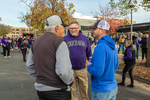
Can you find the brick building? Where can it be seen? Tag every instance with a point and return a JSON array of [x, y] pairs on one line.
[[17, 31]]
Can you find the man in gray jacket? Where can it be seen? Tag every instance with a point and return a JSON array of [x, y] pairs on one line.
[[49, 62]]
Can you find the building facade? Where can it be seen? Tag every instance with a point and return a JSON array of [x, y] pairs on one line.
[[17, 31]]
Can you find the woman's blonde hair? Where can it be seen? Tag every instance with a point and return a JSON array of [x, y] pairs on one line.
[[146, 35], [129, 42]]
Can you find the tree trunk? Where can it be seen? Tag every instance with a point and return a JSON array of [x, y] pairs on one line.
[[148, 51], [35, 35]]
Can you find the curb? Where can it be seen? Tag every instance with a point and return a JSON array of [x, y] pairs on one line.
[[136, 78]]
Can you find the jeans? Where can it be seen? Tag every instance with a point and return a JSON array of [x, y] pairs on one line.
[[24, 54], [137, 51], [1, 49], [105, 96]]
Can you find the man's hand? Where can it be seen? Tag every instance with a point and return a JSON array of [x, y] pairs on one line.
[[88, 63]]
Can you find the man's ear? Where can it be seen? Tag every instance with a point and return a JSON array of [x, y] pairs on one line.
[[79, 28], [56, 28], [103, 30]]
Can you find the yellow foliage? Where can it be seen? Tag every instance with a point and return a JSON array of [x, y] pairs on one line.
[[42, 9]]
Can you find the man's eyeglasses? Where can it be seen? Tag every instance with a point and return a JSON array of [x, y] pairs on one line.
[[75, 28]]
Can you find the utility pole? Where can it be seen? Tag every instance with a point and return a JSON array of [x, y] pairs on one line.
[[131, 6], [131, 22]]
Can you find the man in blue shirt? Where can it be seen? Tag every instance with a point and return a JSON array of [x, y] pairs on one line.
[[104, 64]]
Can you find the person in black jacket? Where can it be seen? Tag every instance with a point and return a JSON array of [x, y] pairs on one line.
[[144, 46], [129, 59], [23, 47]]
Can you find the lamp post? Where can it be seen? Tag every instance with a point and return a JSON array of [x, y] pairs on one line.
[[131, 22], [131, 6]]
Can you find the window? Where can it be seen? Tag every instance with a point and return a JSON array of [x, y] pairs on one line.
[[23, 29], [17, 32], [13, 29], [17, 29], [13, 32], [12, 35]]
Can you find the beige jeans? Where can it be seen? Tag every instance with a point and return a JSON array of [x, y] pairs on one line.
[[80, 79]]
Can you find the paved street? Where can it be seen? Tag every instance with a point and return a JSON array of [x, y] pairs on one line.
[[17, 84]]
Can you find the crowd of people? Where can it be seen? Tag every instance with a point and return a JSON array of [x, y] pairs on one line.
[[141, 41], [61, 64], [7, 44]]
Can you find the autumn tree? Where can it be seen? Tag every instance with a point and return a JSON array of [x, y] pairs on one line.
[[108, 14], [4, 29], [40, 10], [125, 6]]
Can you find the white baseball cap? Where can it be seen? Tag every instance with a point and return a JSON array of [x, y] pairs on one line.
[[101, 24]]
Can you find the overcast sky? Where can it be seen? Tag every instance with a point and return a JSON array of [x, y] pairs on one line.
[[11, 9]]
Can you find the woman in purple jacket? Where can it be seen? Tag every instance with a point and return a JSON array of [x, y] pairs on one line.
[[129, 59], [5, 46]]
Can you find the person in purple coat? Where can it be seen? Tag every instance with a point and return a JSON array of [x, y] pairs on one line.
[[129, 59], [31, 41], [80, 49], [5, 45]]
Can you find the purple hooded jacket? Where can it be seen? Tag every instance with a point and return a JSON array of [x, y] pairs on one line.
[[80, 48], [4, 41], [31, 41]]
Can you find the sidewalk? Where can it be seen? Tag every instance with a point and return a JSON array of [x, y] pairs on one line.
[[141, 91], [17, 84]]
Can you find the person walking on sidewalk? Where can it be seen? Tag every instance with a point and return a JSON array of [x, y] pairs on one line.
[[1, 45], [138, 45], [19, 42], [49, 62], [144, 46], [104, 64], [12, 43], [129, 59], [80, 48], [23, 47], [5, 46]]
